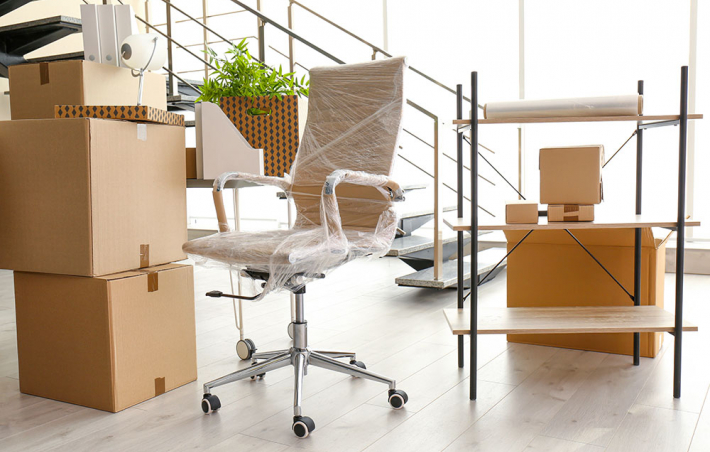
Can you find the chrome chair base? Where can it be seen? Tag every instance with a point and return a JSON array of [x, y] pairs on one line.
[[300, 356]]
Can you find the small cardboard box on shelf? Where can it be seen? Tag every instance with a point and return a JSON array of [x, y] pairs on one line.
[[107, 342], [570, 212], [521, 212], [571, 175]]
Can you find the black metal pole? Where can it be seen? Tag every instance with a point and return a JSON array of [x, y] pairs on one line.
[[680, 246], [459, 210], [637, 237], [474, 235]]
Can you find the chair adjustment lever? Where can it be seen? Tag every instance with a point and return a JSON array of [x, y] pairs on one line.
[[219, 294]]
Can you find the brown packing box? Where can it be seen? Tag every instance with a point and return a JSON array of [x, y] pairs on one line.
[[191, 163], [90, 197], [571, 175], [36, 88], [521, 212], [570, 212], [550, 269], [108, 342]]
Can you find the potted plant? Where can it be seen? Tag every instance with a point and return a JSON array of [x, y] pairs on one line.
[[261, 101]]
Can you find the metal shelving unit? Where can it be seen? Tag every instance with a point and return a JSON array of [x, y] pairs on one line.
[[600, 319]]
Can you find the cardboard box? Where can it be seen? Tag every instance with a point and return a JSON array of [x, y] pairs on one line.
[[571, 175], [91, 197], [521, 212], [190, 163], [36, 88], [138, 113], [570, 212], [550, 269], [108, 342]]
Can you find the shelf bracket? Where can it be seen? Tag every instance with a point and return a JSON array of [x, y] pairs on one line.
[[650, 125], [600, 264]]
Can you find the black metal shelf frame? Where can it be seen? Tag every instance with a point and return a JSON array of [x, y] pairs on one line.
[[680, 248]]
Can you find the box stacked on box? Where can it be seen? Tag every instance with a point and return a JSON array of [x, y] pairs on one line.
[[94, 212], [571, 181]]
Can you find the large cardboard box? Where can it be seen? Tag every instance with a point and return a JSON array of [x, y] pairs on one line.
[[36, 88], [571, 175], [91, 197], [550, 269], [108, 342]]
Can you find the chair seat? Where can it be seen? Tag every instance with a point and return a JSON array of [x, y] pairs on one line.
[[304, 249]]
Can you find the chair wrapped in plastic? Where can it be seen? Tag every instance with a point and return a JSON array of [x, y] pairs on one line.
[[341, 187], [339, 183]]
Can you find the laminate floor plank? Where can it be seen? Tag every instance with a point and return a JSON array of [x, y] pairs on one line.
[[652, 429], [598, 407]]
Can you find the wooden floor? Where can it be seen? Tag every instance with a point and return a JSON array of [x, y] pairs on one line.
[[530, 398]]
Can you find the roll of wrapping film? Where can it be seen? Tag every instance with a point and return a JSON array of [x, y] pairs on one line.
[[630, 105]]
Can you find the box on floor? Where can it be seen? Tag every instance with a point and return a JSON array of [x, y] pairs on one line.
[[550, 269], [106, 342], [91, 197], [36, 88]]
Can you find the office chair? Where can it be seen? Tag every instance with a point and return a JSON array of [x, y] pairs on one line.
[[344, 210]]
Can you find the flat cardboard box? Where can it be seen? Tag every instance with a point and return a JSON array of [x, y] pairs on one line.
[[91, 197], [570, 212], [36, 88], [521, 212], [550, 269], [108, 342], [137, 113], [571, 175]]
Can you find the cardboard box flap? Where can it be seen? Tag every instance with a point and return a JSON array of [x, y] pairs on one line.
[[588, 237]]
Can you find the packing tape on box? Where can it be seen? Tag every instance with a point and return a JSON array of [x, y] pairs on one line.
[[630, 105], [159, 386], [142, 130], [43, 73], [152, 282], [145, 256]]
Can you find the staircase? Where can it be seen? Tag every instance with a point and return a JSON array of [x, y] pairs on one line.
[[17, 40]]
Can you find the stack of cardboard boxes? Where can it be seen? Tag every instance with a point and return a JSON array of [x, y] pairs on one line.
[[93, 214], [550, 269]]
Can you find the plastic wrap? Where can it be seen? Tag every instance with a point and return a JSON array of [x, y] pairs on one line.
[[339, 182], [630, 105]]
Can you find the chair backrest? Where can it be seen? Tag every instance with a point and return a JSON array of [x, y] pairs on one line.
[[354, 122]]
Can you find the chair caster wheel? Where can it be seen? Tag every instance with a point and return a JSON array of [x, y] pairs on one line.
[[210, 403], [245, 349], [397, 398], [303, 426], [289, 329], [254, 377], [359, 364]]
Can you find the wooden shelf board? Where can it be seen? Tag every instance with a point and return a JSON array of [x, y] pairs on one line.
[[602, 222], [556, 320], [577, 119]]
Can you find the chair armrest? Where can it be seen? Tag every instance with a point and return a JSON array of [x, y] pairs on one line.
[[283, 183], [329, 206]]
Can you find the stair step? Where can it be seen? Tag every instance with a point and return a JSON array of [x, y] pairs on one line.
[[487, 259], [25, 37], [60, 57], [7, 6], [421, 213], [406, 245]]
